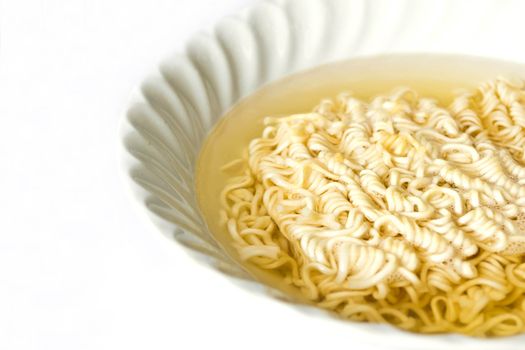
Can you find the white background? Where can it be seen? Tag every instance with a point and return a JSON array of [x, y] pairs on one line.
[[79, 269]]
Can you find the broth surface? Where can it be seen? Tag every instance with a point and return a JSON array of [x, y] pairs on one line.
[[432, 76]]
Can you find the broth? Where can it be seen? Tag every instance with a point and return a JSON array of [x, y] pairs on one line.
[[433, 76]]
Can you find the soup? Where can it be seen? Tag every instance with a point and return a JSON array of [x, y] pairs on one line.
[[384, 190]]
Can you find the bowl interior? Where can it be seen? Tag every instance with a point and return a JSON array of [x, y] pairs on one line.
[[167, 127]]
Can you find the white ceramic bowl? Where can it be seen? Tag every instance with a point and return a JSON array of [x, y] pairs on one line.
[[175, 108]]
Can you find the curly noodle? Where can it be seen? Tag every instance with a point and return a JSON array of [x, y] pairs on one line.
[[397, 210]]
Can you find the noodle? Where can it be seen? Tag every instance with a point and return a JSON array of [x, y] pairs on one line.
[[397, 210]]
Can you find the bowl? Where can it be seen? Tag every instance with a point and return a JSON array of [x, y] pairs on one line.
[[174, 108]]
